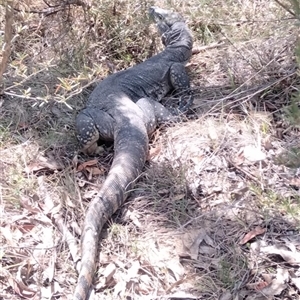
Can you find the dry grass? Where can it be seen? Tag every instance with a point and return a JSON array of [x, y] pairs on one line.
[[216, 213]]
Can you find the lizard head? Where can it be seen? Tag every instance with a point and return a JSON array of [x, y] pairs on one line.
[[172, 27], [164, 19]]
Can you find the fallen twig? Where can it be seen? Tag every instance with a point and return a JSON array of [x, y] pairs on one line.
[[211, 46]]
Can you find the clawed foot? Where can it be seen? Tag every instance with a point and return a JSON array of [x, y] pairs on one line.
[[185, 103], [93, 149]]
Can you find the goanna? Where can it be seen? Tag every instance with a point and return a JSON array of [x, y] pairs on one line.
[[125, 108]]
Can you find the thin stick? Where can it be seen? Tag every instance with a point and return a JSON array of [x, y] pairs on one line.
[[211, 46], [7, 37]]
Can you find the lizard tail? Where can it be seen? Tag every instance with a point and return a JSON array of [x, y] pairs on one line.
[[131, 147]]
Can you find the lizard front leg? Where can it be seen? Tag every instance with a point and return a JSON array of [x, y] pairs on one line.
[[181, 83]]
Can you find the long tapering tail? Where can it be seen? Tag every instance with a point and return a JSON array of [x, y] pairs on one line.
[[131, 146]]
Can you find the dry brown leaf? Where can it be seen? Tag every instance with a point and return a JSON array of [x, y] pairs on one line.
[[194, 248], [154, 151], [29, 204], [19, 287], [68, 237], [26, 227], [197, 160], [289, 256], [94, 171], [33, 167], [14, 233], [144, 284], [277, 285], [258, 286], [188, 245], [107, 276], [104, 258], [238, 159], [176, 267], [109, 272], [209, 241], [41, 163], [238, 194], [267, 142], [252, 234], [175, 284], [86, 164], [97, 171]]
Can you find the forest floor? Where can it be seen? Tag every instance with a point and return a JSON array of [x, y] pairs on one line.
[[214, 215]]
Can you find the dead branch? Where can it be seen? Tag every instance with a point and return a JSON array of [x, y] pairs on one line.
[[7, 37], [284, 6], [53, 9], [208, 47]]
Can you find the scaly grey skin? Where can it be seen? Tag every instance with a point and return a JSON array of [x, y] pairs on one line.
[[124, 108]]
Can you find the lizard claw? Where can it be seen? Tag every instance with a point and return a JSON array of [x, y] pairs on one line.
[[184, 105]]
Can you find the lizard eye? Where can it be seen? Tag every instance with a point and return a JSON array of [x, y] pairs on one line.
[[160, 17]]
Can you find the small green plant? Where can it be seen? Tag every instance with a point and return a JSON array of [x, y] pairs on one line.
[[115, 229], [4, 135], [292, 111], [272, 201], [224, 274], [179, 211], [292, 206], [289, 158]]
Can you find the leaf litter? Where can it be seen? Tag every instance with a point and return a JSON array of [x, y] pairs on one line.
[[214, 216]]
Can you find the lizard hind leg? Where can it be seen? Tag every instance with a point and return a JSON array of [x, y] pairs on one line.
[[154, 113], [93, 124]]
